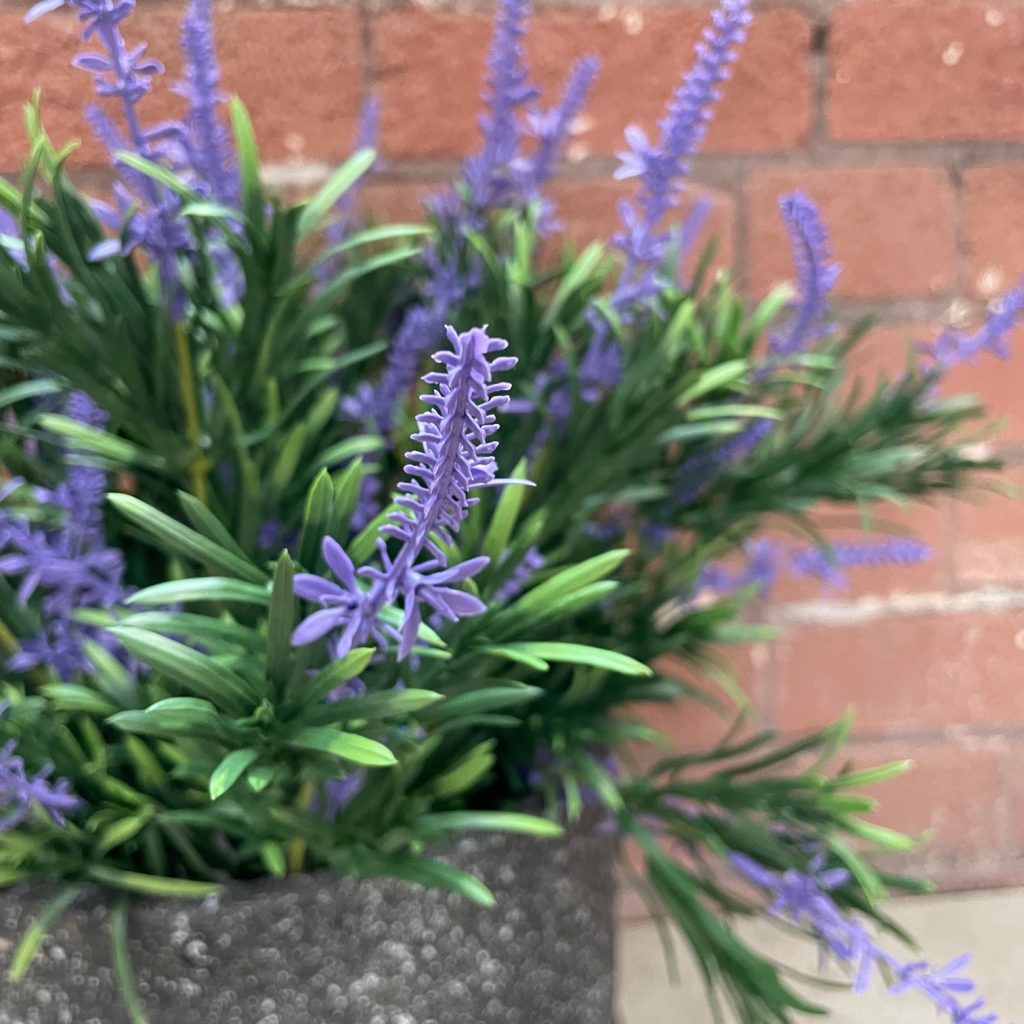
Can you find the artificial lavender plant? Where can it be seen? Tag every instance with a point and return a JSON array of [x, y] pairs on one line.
[[228, 594]]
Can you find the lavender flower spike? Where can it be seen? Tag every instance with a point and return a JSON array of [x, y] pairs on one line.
[[805, 900], [816, 273], [662, 165], [552, 127], [828, 564], [19, 792], [456, 457], [208, 141], [954, 347], [507, 90]]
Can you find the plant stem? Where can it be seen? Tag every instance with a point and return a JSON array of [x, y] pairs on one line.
[[297, 847]]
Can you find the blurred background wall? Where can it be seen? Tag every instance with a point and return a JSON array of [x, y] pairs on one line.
[[904, 119]]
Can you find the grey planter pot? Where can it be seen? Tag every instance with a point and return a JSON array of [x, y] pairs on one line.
[[319, 949]]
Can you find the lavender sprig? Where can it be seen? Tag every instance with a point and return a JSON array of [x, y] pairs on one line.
[[954, 348], [456, 457], [71, 564], [804, 900], [816, 274], [551, 129], [828, 564], [489, 174], [208, 141], [126, 74], [21, 792]]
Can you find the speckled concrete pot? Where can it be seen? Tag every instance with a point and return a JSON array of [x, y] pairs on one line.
[[325, 950]]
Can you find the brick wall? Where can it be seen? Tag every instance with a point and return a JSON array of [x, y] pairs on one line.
[[905, 120]]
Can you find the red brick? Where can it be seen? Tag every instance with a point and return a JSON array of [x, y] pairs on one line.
[[423, 56], [891, 229], [993, 238], [957, 792], [927, 70], [906, 673], [989, 535], [588, 211], [300, 73]]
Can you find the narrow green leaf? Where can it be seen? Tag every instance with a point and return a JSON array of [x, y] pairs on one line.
[[203, 588], [280, 623], [272, 855], [435, 874], [123, 964], [316, 518], [190, 669], [248, 162], [491, 821], [67, 697], [121, 831], [208, 524], [333, 189], [152, 885], [336, 673], [485, 699], [582, 654], [180, 539], [506, 513], [345, 745], [37, 932], [230, 770]]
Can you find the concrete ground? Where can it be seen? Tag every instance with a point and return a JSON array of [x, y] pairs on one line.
[[988, 925]]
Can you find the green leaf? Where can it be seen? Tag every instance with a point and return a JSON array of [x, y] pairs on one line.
[[272, 855], [230, 770], [581, 654], [345, 745], [66, 697], [123, 964], [110, 675], [203, 588], [715, 377], [333, 189], [208, 524], [491, 821], [430, 874], [335, 674], [375, 706], [121, 831], [485, 699], [37, 932], [190, 669], [316, 518], [280, 622], [248, 162], [342, 452], [177, 538], [152, 885], [566, 581], [499, 530], [93, 441], [28, 389]]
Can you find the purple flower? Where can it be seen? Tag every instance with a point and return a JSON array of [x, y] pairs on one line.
[[10, 239], [761, 570], [661, 166], [551, 129], [804, 899], [456, 457], [20, 792], [126, 74], [489, 174], [70, 565], [827, 563], [210, 154], [954, 347], [816, 273]]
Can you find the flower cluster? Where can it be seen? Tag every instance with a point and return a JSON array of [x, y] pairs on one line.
[[70, 563], [456, 458], [805, 900]]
